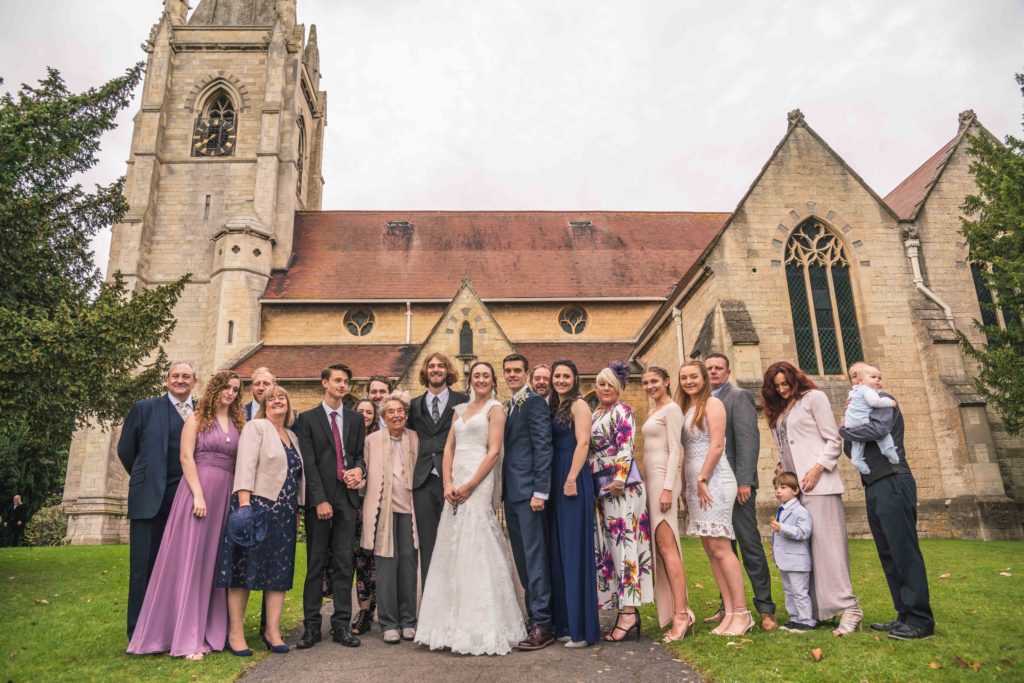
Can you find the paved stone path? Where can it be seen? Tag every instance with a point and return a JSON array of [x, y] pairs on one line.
[[374, 661]]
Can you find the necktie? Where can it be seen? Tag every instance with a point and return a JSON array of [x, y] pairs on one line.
[[778, 515], [184, 409], [435, 410], [339, 448]]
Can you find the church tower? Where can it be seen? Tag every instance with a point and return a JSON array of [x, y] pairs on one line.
[[227, 146]]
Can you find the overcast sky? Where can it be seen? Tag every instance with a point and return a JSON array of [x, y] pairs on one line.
[[589, 104]]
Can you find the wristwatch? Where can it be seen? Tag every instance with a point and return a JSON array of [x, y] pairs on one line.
[[702, 478]]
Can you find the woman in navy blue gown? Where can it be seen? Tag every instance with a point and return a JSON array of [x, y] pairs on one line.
[[571, 519]]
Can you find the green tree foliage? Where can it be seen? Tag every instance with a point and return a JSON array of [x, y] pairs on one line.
[[994, 228], [73, 348]]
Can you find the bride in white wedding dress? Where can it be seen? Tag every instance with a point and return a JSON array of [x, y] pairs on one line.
[[469, 601]]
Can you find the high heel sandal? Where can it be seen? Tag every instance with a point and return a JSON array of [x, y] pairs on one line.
[[689, 628], [748, 627], [849, 622], [609, 637]]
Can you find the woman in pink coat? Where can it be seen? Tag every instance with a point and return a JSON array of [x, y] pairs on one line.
[[389, 525], [801, 419]]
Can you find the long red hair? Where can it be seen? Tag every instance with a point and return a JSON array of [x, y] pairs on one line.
[[799, 384]]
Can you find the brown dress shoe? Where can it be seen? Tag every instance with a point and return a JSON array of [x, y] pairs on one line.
[[715, 618], [537, 639], [768, 622]]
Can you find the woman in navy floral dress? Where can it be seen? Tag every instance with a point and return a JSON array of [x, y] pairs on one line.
[[623, 534]]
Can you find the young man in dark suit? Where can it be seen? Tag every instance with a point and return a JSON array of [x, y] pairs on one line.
[[149, 450], [742, 446], [331, 439], [430, 416]]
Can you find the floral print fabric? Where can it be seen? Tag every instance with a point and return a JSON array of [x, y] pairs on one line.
[[623, 532]]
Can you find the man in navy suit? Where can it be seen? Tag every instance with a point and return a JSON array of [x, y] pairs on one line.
[[526, 483], [260, 380], [331, 439], [149, 450]]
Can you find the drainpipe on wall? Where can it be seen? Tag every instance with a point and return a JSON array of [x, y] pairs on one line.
[[408, 322], [677, 316], [912, 242]]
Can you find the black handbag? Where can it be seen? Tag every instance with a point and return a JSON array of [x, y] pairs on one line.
[[607, 476]]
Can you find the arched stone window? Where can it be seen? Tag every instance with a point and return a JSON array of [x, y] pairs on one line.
[[821, 299], [215, 130], [300, 156], [466, 340]]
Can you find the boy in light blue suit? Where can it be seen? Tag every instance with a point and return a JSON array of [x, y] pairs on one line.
[[791, 533]]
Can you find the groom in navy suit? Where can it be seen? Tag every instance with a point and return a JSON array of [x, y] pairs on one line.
[[526, 483], [149, 450]]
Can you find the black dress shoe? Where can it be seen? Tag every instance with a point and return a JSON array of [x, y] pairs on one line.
[[343, 635], [308, 640], [885, 628], [910, 632]]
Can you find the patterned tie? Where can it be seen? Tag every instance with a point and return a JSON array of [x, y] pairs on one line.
[[778, 515], [339, 447], [184, 409], [435, 411], [508, 406]]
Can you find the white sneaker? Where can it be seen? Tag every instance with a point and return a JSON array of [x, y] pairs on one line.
[[408, 633], [391, 636], [575, 643], [564, 639]]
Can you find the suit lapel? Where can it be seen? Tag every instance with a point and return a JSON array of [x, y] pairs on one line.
[[325, 427]]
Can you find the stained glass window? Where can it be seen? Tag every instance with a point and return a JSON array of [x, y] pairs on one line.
[[821, 299]]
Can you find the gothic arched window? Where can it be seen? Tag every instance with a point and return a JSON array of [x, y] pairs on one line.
[[821, 299], [466, 340], [300, 154], [215, 131]]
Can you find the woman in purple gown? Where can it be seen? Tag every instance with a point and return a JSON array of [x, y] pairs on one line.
[[183, 613]]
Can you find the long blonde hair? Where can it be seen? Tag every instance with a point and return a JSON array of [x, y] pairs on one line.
[[700, 401]]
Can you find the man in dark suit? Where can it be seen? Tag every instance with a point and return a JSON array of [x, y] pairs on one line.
[[526, 484], [742, 446], [430, 416], [331, 439], [14, 521], [890, 495], [260, 380], [149, 449]]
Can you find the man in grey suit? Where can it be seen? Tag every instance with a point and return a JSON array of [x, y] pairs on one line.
[[742, 445], [430, 416]]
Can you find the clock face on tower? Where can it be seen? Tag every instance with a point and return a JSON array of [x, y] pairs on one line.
[[214, 137]]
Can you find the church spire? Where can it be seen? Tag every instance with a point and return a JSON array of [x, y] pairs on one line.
[[234, 13], [311, 57]]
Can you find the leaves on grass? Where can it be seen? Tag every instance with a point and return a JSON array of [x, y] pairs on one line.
[[934, 665], [961, 662], [976, 666], [1005, 574], [43, 601], [945, 575], [817, 654], [698, 585]]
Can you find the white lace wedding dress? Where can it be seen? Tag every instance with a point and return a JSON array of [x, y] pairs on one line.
[[469, 601]]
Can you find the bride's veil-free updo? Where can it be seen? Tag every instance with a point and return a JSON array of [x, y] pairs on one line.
[[494, 378]]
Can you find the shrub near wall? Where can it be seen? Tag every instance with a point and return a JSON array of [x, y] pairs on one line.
[[47, 527]]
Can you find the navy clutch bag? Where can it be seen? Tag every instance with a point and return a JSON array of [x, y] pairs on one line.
[[607, 476]]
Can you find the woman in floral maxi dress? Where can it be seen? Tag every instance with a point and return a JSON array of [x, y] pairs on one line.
[[623, 533]]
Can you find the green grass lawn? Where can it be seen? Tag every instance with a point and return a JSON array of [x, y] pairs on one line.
[[979, 613], [63, 612], [64, 620]]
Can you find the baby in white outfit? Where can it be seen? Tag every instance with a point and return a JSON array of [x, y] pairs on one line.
[[864, 396]]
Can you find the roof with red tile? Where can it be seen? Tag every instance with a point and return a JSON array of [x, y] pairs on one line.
[[355, 255], [908, 197], [590, 357], [306, 361]]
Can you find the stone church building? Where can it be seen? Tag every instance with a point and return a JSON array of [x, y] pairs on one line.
[[813, 266]]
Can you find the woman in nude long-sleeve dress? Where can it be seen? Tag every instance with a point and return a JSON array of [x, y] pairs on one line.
[[663, 457]]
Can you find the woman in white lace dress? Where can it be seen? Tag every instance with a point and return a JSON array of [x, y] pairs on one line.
[[710, 491], [469, 601]]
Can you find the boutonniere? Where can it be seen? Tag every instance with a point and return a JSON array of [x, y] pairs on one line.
[[519, 398]]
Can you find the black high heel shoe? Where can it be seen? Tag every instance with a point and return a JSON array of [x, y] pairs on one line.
[[238, 653], [280, 649], [363, 621], [610, 636]]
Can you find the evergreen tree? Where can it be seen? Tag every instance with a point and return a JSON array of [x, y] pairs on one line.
[[994, 228], [73, 348]]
